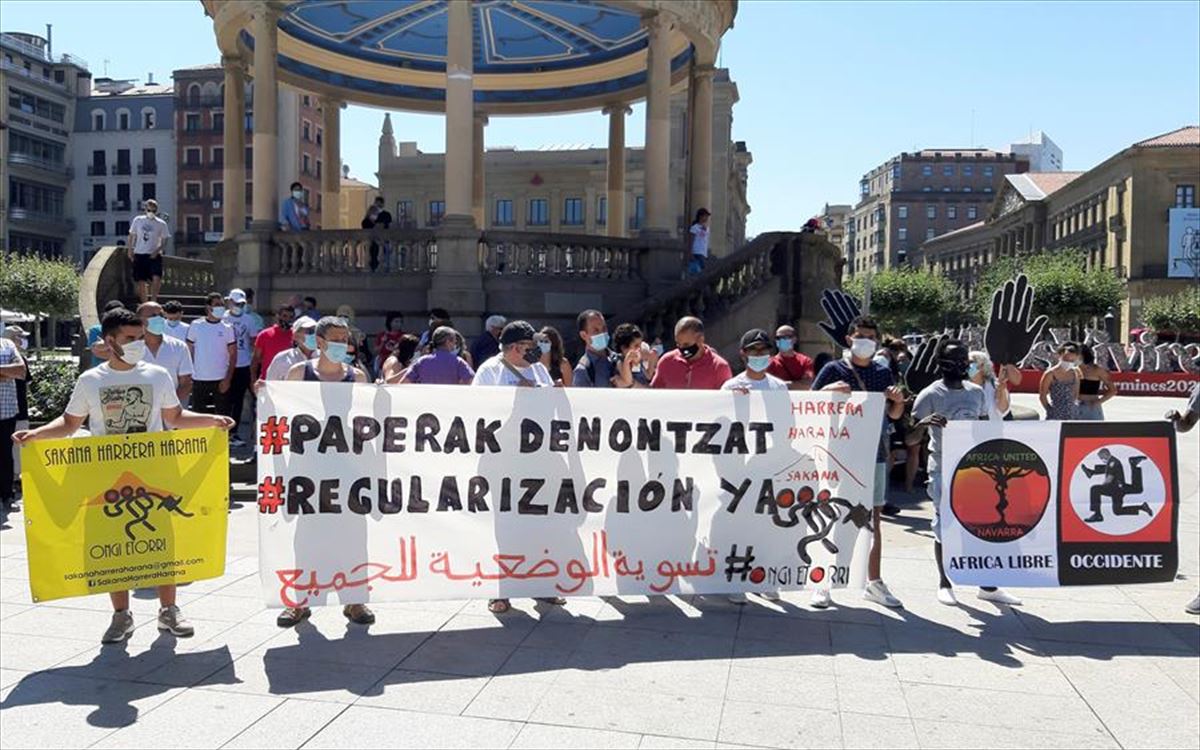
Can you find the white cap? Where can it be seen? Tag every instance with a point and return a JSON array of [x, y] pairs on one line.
[[304, 322], [495, 321], [238, 296]]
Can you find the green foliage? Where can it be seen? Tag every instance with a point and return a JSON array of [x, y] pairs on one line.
[[50, 385], [33, 285], [1179, 313], [1065, 289], [905, 300]]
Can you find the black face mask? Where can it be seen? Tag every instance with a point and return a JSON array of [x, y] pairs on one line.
[[689, 351], [286, 324], [954, 369], [532, 355]]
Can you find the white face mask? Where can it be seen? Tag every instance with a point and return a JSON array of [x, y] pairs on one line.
[[862, 348], [298, 194], [133, 352]]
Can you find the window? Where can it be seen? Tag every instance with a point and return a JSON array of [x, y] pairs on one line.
[[318, 167], [437, 209], [218, 156], [149, 190], [193, 228], [989, 170], [1185, 196], [217, 189], [149, 163], [602, 211], [218, 119], [193, 157], [305, 164], [539, 212], [966, 188], [947, 170], [97, 228], [895, 171], [968, 170], [930, 211], [99, 201], [864, 187], [929, 233], [926, 189], [218, 223], [193, 94], [987, 189], [148, 119], [249, 160], [121, 229], [306, 130], [123, 196], [952, 211], [97, 121], [191, 122], [902, 233], [320, 136], [504, 213], [123, 120], [972, 211], [946, 189], [191, 191], [573, 211], [927, 170], [639, 211], [901, 212], [404, 212], [307, 100]]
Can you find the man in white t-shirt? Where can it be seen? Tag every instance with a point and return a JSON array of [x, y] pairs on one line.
[[757, 349], [214, 356], [147, 237], [244, 331], [517, 364], [175, 328], [699, 232], [168, 353], [121, 396], [303, 349]]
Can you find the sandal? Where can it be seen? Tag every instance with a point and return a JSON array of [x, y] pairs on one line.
[[498, 606], [557, 601]]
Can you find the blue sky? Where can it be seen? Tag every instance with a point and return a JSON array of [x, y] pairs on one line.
[[828, 90]]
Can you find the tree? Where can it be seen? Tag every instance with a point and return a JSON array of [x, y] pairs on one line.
[[1066, 290], [37, 285], [1179, 313], [907, 299]]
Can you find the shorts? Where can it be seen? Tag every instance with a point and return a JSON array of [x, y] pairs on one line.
[[146, 267], [881, 482], [933, 488]]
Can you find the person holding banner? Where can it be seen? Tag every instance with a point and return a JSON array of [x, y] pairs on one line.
[[113, 398], [12, 369], [952, 397], [861, 372]]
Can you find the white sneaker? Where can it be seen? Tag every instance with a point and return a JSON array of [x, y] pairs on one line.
[[737, 599], [1193, 607], [771, 596], [877, 591], [947, 597], [999, 596], [821, 599], [236, 442]]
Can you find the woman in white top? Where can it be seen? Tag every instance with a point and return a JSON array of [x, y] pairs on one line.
[[995, 388]]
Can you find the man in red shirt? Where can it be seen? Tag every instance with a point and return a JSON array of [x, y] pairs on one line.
[[790, 365], [692, 365], [272, 341]]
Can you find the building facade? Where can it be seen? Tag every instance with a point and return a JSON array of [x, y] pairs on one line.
[[37, 112], [834, 218], [564, 188], [914, 197], [199, 152], [354, 199], [123, 153], [1118, 212], [1043, 154]]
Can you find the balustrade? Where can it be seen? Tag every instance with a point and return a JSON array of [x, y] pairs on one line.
[[351, 251]]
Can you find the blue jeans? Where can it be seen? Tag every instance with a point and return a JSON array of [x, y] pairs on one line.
[[696, 265]]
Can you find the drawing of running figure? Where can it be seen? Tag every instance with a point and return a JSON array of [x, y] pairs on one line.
[[1113, 486]]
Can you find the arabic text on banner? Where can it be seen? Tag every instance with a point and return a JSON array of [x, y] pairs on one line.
[[444, 492], [125, 511]]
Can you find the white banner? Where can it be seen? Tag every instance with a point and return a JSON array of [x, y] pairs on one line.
[[371, 493], [1059, 503]]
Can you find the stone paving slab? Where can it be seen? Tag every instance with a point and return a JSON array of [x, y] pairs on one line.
[[1081, 667]]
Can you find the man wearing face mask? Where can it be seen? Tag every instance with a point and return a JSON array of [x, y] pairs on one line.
[[951, 398], [597, 368], [127, 395], [789, 365], [756, 352], [147, 236], [244, 332], [692, 365], [862, 373], [170, 354], [303, 348], [214, 356], [293, 213], [12, 371], [271, 341], [175, 328]]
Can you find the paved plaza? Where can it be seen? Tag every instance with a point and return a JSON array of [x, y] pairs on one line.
[[1073, 667]]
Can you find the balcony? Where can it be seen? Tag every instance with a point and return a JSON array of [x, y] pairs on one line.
[[189, 165], [120, 169], [98, 207], [37, 162], [147, 169], [97, 170], [120, 205], [194, 102], [56, 220]]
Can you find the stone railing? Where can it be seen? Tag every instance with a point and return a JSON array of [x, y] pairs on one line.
[[353, 251], [563, 255], [109, 275], [186, 277]]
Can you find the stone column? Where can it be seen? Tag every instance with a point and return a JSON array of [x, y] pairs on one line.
[[615, 197], [459, 108], [658, 126], [701, 119], [266, 125], [331, 169], [233, 178], [478, 189]]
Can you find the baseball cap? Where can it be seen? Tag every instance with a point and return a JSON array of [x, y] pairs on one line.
[[238, 296], [518, 330], [15, 330], [756, 336], [304, 323]]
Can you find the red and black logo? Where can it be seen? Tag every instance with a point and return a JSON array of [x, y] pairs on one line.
[[1000, 490]]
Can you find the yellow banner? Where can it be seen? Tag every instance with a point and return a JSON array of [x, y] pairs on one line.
[[125, 511]]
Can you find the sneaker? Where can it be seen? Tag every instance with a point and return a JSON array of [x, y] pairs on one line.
[[292, 616], [236, 442], [171, 620], [999, 596], [877, 591], [120, 627], [771, 596], [359, 614], [1193, 607], [890, 509], [821, 598], [947, 597], [738, 599]]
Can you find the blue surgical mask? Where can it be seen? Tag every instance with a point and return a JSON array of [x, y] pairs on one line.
[[237, 309], [337, 351], [218, 312], [759, 362], [600, 341], [785, 345], [973, 370], [544, 346], [156, 325], [310, 341]]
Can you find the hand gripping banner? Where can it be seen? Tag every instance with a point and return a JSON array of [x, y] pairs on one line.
[[445, 492]]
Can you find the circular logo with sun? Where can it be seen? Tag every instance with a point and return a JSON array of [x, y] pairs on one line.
[[1000, 490]]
